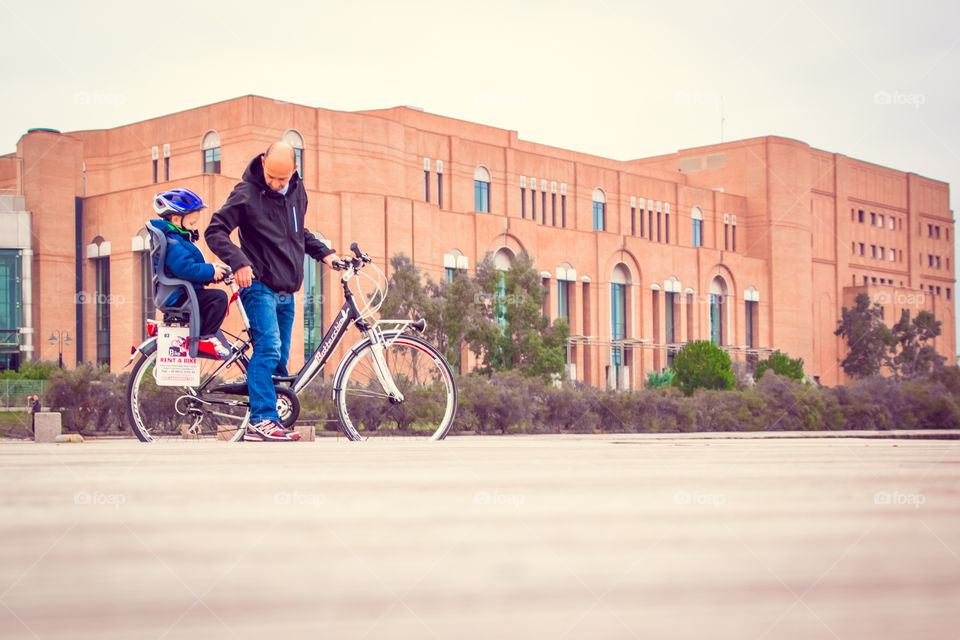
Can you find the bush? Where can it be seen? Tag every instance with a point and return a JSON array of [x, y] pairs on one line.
[[89, 399], [702, 364], [659, 380], [782, 364]]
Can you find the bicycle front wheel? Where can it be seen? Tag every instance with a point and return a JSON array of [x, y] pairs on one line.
[[419, 372], [160, 412]]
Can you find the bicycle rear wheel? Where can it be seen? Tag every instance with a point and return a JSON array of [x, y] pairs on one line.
[[157, 412], [423, 377]]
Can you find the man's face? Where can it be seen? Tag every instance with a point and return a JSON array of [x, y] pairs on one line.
[[277, 171]]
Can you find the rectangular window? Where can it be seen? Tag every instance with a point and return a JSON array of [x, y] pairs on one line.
[[533, 204], [166, 169], [147, 308], [211, 160], [698, 233], [563, 300], [948, 293], [930, 260], [873, 219], [726, 236], [641, 222], [481, 196], [749, 318], [936, 232], [103, 310], [650, 224], [543, 207], [866, 280], [155, 162], [450, 272], [881, 253], [618, 298], [938, 289], [659, 214], [938, 262], [553, 209], [11, 307], [523, 202], [891, 222], [440, 190], [860, 215], [880, 220], [599, 216], [312, 305], [666, 228], [298, 156], [861, 248], [668, 312], [873, 251], [929, 230], [563, 210], [734, 247], [633, 220], [426, 186], [716, 319]]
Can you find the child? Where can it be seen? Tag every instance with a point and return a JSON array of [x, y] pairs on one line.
[[179, 210]]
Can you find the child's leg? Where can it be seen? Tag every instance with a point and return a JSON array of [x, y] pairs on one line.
[[213, 308]]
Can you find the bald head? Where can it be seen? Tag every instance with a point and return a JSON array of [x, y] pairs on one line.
[[279, 163]]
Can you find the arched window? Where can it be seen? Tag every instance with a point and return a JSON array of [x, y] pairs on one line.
[[718, 293], [293, 138], [453, 262], [211, 152], [599, 210], [481, 189], [697, 216], [619, 317]]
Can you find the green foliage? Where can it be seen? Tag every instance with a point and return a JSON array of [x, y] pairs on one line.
[[868, 339], [450, 308], [781, 364], [524, 341], [905, 350], [702, 364], [659, 380], [30, 370]]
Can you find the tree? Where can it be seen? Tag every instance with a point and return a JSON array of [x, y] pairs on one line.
[[913, 353], [702, 364], [453, 318], [523, 338], [868, 339], [781, 364], [906, 349]]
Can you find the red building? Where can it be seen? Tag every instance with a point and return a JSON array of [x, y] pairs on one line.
[[755, 244]]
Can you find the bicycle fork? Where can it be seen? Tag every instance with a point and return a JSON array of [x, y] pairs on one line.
[[377, 348]]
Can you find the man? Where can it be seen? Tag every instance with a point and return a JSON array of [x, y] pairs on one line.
[[269, 207]]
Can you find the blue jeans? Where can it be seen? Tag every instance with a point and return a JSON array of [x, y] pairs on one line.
[[271, 318]]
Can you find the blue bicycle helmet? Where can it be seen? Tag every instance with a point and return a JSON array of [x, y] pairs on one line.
[[177, 202]]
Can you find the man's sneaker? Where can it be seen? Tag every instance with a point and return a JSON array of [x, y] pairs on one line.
[[269, 431]]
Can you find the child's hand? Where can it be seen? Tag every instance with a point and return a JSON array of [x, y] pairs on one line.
[[219, 270]]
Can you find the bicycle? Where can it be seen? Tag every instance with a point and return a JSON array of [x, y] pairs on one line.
[[391, 381]]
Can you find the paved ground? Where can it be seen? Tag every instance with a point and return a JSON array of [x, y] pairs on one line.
[[494, 537]]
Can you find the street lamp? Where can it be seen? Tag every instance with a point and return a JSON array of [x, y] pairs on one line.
[[58, 339]]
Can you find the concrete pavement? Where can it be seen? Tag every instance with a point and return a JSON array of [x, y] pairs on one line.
[[626, 536]]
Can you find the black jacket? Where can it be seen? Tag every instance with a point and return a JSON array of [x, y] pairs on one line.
[[273, 239]]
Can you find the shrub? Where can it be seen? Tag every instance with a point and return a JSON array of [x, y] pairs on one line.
[[89, 399], [702, 364], [782, 364], [659, 380]]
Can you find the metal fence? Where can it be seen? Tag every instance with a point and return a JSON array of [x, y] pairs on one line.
[[13, 393]]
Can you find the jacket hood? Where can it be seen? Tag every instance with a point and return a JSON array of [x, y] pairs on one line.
[[254, 175]]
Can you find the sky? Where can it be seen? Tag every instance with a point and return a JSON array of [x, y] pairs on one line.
[[875, 81]]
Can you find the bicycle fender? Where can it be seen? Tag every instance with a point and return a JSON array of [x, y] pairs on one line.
[[147, 347], [355, 349]]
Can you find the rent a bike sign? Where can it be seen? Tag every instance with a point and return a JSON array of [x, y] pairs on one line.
[[175, 367]]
